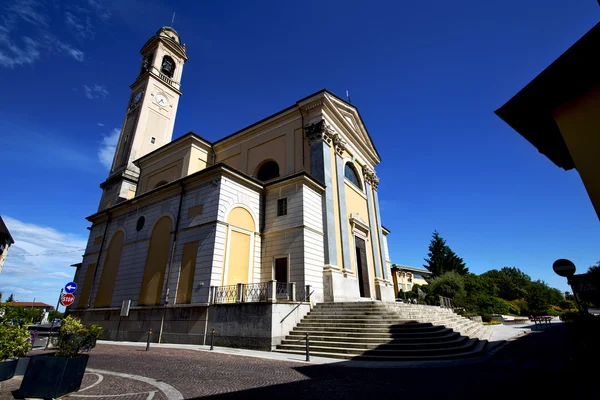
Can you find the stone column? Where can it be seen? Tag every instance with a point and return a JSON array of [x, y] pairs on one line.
[[319, 137], [369, 175], [340, 146]]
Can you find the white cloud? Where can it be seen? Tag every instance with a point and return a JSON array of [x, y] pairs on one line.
[[16, 290], [16, 55], [33, 17], [95, 92], [59, 274], [101, 11], [28, 11], [38, 264], [81, 27], [70, 50], [108, 147], [100, 124]]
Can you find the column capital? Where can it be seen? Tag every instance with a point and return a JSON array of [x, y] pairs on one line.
[[319, 131], [371, 177], [339, 143]]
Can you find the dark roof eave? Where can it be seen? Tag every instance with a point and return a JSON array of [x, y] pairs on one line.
[[529, 112]]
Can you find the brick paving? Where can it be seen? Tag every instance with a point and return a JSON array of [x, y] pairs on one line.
[[535, 365]]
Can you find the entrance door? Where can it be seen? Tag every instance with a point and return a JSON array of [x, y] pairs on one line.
[[281, 270], [361, 268]]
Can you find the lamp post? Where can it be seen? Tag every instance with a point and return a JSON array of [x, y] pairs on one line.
[[566, 268]]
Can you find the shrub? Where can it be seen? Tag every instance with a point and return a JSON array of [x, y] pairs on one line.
[[14, 342], [74, 337], [486, 317], [451, 284]]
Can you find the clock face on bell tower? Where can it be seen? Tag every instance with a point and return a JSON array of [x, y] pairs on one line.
[[150, 114]]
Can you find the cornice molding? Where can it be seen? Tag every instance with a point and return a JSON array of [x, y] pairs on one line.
[[319, 131]]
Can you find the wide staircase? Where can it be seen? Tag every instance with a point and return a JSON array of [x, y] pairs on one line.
[[386, 331]]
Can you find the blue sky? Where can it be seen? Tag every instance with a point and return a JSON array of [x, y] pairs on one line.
[[426, 77]]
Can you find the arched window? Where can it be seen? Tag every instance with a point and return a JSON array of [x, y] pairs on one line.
[[267, 171], [351, 174], [160, 184], [109, 271], [156, 262], [168, 66]]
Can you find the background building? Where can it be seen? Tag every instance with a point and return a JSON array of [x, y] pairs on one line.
[[6, 241], [405, 277]]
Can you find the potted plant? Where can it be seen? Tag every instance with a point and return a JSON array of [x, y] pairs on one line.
[[53, 375], [14, 343]]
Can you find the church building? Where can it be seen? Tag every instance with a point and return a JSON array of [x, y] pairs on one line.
[[232, 235]]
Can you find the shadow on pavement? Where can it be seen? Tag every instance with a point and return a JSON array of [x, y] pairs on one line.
[[533, 366]]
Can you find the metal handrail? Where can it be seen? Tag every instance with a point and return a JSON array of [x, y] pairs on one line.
[[297, 305]]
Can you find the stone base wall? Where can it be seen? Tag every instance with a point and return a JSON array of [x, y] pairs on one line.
[[181, 324], [259, 326]]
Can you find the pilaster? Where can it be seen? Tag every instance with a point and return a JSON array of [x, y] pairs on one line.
[[340, 146], [370, 179], [319, 137]]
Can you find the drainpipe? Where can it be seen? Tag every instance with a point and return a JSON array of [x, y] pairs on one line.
[[162, 321], [98, 261]]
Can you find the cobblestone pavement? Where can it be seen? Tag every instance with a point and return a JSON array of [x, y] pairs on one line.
[[533, 366]]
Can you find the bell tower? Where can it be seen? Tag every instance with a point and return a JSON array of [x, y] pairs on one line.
[[150, 114]]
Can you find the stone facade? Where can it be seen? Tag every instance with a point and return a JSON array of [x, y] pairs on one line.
[[292, 199]]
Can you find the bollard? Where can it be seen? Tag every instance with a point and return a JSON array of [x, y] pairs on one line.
[[148, 340], [212, 339], [307, 348]]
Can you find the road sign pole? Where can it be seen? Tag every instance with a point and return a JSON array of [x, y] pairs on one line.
[[59, 297]]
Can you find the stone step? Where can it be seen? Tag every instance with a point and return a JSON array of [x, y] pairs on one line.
[[385, 350], [369, 344], [372, 338], [475, 351], [399, 327], [362, 333]]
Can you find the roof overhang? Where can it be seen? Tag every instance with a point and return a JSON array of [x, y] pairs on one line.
[[570, 76]]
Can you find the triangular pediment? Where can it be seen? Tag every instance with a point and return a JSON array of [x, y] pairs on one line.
[[346, 116]]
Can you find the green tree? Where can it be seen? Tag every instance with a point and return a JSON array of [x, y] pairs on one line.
[[451, 284], [437, 254], [594, 269], [537, 297], [10, 298], [441, 259]]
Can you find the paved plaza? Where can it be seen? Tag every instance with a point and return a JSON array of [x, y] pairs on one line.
[[534, 364]]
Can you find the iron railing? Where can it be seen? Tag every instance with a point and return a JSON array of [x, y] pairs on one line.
[[282, 291], [256, 292], [271, 291], [224, 294]]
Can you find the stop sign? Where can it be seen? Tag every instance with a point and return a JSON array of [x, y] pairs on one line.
[[67, 299]]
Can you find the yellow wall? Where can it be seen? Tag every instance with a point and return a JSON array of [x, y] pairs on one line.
[[357, 204], [234, 161], [109, 272], [168, 174], [198, 160], [241, 218], [186, 276], [239, 252], [273, 149], [156, 262], [239, 249], [87, 283], [579, 123]]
